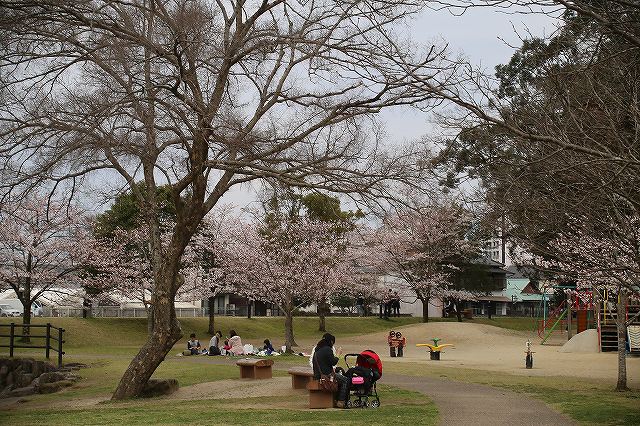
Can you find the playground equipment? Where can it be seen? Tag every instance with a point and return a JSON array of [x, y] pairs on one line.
[[607, 328], [593, 309], [529, 358], [435, 349], [560, 319], [396, 344], [633, 335]]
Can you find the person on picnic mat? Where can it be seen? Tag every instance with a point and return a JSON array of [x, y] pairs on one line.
[[235, 343], [214, 344], [268, 347], [193, 345]]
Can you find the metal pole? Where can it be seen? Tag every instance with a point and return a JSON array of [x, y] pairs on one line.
[[60, 341], [48, 340], [544, 310], [11, 336]]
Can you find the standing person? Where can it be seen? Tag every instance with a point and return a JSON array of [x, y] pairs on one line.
[[396, 304], [323, 360], [193, 344], [388, 300], [360, 305], [214, 343]]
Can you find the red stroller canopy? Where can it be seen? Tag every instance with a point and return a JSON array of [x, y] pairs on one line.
[[369, 359]]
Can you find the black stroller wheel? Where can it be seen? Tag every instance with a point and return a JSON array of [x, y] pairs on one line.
[[348, 404], [375, 403]]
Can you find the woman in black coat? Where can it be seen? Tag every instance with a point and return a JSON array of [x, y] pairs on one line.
[[323, 362]]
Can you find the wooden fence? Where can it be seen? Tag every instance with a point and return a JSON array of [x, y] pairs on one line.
[[21, 342]]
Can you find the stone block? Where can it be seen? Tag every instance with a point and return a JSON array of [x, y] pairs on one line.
[[27, 365], [52, 376], [54, 387], [23, 391], [24, 380], [158, 387], [4, 370], [37, 368]]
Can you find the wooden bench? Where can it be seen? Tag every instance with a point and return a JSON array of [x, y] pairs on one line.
[[251, 368], [318, 397], [300, 376]]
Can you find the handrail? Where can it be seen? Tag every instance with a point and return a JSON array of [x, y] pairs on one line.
[[48, 338]]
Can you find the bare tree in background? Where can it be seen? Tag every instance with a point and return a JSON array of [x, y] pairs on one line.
[[204, 96], [555, 143]]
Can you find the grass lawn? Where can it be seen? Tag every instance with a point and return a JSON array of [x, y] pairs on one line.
[[587, 401], [113, 336], [107, 344], [402, 406]]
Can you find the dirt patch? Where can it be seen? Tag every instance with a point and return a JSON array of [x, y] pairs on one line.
[[237, 389], [485, 347]]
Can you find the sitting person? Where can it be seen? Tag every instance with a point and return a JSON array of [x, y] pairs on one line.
[[268, 347], [214, 343], [193, 345], [235, 344], [323, 362]]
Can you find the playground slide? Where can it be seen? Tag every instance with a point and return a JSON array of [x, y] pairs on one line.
[[633, 333]]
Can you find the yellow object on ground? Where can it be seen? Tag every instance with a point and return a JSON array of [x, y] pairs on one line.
[[434, 348]]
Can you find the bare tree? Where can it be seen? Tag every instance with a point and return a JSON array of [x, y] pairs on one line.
[[204, 96], [559, 157]]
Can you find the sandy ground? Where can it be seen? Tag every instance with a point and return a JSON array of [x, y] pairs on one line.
[[239, 388], [490, 348]]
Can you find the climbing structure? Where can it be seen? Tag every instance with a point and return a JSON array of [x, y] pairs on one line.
[[607, 331]]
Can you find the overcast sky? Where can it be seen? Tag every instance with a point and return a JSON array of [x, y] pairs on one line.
[[483, 35]]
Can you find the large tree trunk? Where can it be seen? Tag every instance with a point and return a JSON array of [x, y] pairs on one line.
[[26, 319], [149, 319], [166, 332], [212, 318], [86, 308], [425, 310], [289, 340], [25, 297], [322, 313], [622, 335]]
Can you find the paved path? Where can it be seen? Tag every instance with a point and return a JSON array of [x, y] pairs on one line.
[[470, 404]]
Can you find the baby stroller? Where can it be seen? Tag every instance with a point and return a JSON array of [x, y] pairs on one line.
[[362, 378]]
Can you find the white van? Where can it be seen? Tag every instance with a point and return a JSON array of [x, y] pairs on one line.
[[16, 305]]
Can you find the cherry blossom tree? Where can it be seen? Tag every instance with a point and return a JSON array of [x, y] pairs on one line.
[[41, 242], [204, 277], [417, 247], [290, 264], [120, 264]]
